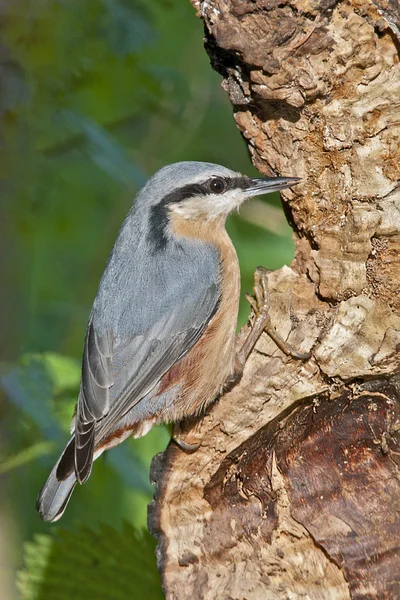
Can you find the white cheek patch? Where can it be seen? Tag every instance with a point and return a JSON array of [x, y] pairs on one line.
[[209, 206]]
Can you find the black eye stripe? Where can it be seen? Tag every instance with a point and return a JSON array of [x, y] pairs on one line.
[[227, 184], [158, 221]]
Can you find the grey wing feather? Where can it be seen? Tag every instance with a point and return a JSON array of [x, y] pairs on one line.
[[97, 373], [94, 396], [163, 346]]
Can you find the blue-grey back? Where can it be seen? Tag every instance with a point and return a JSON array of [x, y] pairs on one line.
[[139, 285]]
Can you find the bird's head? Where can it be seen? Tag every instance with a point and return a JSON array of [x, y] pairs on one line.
[[201, 193]]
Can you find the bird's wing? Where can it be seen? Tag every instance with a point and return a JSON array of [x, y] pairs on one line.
[[117, 373]]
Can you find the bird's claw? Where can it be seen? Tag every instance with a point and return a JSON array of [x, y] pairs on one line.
[[185, 446], [179, 441], [260, 301], [260, 304]]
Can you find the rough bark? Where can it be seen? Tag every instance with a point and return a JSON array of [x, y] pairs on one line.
[[295, 492]]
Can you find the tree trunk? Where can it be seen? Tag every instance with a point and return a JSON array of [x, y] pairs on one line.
[[294, 492]]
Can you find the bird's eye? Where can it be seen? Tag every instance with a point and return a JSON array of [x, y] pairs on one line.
[[217, 186]]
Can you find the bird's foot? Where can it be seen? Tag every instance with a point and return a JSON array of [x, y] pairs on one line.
[[262, 322], [185, 446]]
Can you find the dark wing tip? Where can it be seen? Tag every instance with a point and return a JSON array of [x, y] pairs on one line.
[[51, 503], [66, 466], [84, 450], [55, 493]]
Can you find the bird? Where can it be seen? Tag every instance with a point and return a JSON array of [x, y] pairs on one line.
[[160, 340]]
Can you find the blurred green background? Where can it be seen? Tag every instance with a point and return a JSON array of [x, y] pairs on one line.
[[95, 97]]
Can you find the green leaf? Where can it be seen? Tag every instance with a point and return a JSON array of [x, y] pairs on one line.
[[29, 386], [26, 456], [65, 371], [33, 384], [86, 564]]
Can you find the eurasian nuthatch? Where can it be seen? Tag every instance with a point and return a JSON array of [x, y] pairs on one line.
[[160, 341]]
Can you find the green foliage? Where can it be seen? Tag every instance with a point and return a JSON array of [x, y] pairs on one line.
[[86, 564], [66, 371], [26, 455], [35, 385]]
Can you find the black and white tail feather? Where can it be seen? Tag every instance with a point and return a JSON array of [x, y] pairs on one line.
[[55, 493]]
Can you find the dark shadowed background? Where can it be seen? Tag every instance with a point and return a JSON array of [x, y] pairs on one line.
[[95, 97]]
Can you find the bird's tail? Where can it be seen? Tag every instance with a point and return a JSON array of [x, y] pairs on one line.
[[57, 490]]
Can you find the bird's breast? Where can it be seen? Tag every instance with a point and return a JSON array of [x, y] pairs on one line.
[[199, 376]]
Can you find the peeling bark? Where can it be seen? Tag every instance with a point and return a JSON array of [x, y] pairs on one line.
[[294, 492]]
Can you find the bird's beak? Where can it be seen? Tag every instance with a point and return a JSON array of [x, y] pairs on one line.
[[259, 186]]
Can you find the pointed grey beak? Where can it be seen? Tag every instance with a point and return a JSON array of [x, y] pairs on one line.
[[259, 186]]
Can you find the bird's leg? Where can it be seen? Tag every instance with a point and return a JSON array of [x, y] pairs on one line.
[[185, 446], [262, 322]]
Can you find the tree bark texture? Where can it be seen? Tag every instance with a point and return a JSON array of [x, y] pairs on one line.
[[294, 492]]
